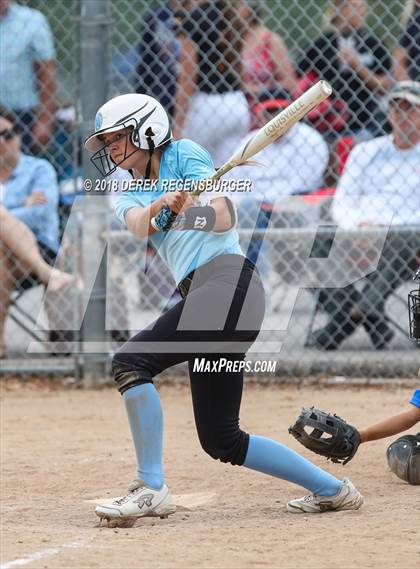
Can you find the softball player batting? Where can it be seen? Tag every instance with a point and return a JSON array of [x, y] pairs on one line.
[[219, 316]]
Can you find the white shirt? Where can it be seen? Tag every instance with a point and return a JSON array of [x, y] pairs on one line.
[[294, 163], [380, 185]]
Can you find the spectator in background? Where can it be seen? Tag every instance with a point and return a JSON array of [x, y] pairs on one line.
[[211, 108], [407, 54], [265, 58], [27, 72], [294, 164], [159, 52], [354, 61], [28, 218], [379, 187]]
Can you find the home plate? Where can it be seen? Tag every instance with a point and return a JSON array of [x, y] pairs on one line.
[[191, 501], [185, 501]]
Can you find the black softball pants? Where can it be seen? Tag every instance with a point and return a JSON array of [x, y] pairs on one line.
[[215, 324]]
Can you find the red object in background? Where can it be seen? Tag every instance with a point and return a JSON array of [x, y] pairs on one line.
[[329, 116], [342, 151], [318, 195]]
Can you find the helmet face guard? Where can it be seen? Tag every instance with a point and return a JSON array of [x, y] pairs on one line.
[[102, 160], [414, 311]]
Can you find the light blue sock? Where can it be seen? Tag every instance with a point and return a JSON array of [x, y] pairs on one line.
[[275, 459], [144, 411]]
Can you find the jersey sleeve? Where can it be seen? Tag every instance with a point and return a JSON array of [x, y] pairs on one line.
[[415, 400], [197, 164], [125, 202], [194, 160]]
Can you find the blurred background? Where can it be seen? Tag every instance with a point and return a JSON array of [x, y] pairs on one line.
[[332, 221]]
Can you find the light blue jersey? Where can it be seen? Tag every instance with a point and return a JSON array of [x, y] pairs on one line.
[[182, 251], [415, 400]]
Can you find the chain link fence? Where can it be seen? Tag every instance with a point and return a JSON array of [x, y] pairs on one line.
[[333, 217]]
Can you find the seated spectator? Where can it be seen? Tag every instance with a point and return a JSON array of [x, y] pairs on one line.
[[354, 61], [379, 186], [265, 58], [294, 164], [28, 219], [407, 53], [27, 72]]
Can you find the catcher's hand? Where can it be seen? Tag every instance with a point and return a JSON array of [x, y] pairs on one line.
[[326, 434]]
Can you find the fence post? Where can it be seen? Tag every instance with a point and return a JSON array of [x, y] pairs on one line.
[[94, 89]]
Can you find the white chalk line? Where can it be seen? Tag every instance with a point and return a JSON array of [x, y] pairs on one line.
[[43, 553]]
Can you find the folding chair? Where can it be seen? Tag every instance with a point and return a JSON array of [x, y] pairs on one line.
[[24, 319], [20, 316]]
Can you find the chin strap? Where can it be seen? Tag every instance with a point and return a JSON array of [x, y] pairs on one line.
[[151, 144]]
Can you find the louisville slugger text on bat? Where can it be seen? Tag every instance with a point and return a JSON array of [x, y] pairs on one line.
[[277, 126]]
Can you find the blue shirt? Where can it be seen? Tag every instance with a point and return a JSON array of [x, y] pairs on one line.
[[182, 251], [25, 39], [415, 400], [34, 174]]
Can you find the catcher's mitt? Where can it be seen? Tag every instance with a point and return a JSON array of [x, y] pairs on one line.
[[326, 434]]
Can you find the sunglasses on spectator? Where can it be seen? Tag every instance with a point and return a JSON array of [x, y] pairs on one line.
[[8, 133]]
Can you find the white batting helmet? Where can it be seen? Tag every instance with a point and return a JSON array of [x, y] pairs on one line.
[[148, 119]]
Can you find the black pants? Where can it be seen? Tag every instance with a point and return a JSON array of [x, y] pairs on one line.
[[219, 318], [397, 263]]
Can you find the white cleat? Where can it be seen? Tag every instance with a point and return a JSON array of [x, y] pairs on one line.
[[349, 498], [140, 502]]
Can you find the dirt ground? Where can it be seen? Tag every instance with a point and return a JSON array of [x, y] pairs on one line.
[[63, 448]]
